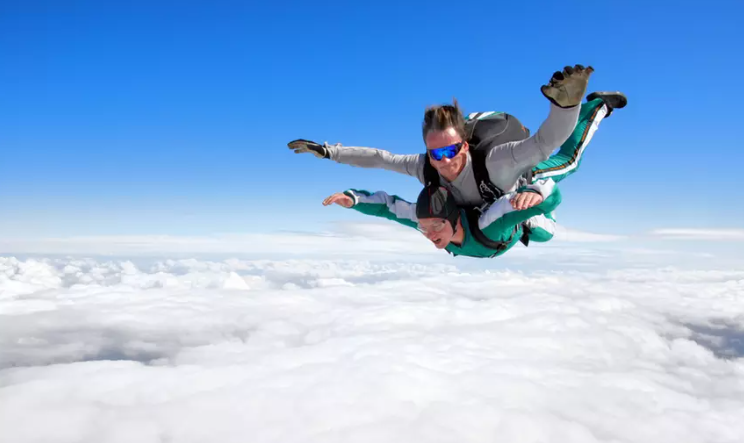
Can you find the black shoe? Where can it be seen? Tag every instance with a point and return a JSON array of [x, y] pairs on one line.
[[613, 100]]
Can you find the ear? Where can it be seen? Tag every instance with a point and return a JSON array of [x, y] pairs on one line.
[[465, 147]]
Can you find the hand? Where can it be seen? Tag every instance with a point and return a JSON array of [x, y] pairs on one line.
[[526, 200], [340, 199], [300, 146], [566, 89]]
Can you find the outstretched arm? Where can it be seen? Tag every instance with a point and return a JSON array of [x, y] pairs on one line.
[[377, 204], [408, 164]]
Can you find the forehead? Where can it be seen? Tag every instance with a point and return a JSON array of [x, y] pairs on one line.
[[439, 139]]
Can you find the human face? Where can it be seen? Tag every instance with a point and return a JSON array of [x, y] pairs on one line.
[[449, 168], [438, 230]]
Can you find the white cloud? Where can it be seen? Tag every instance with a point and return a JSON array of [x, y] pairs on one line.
[[572, 235], [700, 234], [383, 239], [343, 238], [331, 350]]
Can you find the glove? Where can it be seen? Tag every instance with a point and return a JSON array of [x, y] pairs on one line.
[[300, 146], [566, 89]]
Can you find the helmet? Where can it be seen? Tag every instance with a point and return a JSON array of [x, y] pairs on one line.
[[436, 201]]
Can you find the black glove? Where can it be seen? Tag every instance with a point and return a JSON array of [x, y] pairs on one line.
[[299, 146], [566, 89]]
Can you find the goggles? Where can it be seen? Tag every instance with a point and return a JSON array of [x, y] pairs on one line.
[[446, 151], [435, 226]]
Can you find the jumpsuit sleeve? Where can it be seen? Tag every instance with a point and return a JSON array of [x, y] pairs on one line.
[[361, 157], [384, 205], [543, 187]]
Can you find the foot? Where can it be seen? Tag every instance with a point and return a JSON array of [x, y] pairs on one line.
[[613, 100]]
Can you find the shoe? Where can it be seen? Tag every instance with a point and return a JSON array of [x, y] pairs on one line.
[[613, 100]]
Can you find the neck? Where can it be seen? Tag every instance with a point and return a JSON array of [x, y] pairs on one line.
[[451, 178], [459, 236]]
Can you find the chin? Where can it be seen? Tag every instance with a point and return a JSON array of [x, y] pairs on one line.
[[440, 244], [452, 170]]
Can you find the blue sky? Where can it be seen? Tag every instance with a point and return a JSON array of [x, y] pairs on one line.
[[172, 118]]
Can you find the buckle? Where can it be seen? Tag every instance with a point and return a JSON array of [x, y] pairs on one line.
[[483, 208]]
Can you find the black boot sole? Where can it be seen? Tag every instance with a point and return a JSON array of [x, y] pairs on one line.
[[614, 100]]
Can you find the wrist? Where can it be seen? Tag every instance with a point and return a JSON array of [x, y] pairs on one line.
[[354, 199]]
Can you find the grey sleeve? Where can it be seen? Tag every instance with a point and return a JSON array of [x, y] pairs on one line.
[[505, 163], [410, 164]]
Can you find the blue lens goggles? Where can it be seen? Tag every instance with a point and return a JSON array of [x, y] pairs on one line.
[[446, 151]]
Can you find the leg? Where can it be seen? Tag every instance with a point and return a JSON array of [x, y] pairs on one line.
[[568, 158], [599, 105]]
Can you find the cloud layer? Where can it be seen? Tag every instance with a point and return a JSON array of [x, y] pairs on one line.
[[355, 351], [343, 238], [701, 234]]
